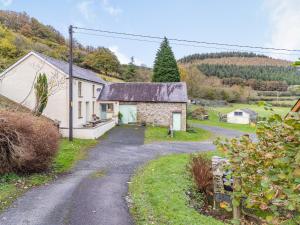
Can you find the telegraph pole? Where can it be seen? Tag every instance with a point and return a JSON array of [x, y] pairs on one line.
[[71, 83]]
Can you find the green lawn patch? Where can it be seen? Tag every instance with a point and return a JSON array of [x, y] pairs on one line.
[[13, 185], [214, 121], [158, 191], [259, 109], [158, 134]]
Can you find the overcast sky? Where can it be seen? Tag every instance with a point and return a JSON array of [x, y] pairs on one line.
[[269, 23]]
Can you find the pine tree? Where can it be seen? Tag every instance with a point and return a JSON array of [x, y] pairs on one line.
[[130, 72], [165, 65]]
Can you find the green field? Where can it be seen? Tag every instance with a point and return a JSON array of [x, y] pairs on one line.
[[259, 109], [158, 134], [158, 191], [13, 185], [214, 119]]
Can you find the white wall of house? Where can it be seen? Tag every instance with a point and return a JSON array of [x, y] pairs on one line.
[[17, 84], [87, 99], [242, 118]]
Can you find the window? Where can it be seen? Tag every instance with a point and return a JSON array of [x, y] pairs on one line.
[[238, 113], [79, 109], [110, 107], [93, 107], [93, 91], [79, 89]]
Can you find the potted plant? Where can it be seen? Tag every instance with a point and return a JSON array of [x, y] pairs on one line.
[[120, 116]]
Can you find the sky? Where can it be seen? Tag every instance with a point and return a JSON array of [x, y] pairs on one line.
[[268, 23]]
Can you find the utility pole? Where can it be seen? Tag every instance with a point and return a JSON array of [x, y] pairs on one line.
[[71, 83]]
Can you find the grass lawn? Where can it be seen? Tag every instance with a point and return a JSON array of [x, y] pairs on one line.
[[259, 109], [153, 134], [214, 121], [158, 193], [13, 185]]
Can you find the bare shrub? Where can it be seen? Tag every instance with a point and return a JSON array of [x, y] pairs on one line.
[[201, 171], [199, 113], [27, 143]]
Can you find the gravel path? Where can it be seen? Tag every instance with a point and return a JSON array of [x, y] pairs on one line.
[[84, 197]]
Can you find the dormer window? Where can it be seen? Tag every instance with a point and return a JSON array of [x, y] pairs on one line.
[[79, 89]]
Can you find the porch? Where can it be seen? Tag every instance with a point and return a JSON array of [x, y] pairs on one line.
[[92, 132]]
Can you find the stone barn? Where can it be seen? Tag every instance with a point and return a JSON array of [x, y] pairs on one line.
[[160, 104]]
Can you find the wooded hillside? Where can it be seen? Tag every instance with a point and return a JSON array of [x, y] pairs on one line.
[[20, 33]]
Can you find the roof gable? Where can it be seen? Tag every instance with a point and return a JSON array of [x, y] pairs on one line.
[[144, 92]]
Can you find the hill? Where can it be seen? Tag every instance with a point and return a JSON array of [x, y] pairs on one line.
[[239, 68], [234, 58], [20, 33]]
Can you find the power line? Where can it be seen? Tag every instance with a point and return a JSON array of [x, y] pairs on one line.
[[181, 44], [188, 41]]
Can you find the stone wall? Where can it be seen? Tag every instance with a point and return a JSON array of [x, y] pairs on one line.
[[160, 114]]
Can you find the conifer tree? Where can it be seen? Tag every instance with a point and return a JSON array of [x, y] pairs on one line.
[[130, 72], [165, 65]]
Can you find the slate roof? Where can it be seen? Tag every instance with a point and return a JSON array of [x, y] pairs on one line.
[[249, 111], [144, 92], [78, 72]]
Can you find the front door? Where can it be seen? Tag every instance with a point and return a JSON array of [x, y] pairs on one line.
[[129, 113], [103, 111], [176, 121]]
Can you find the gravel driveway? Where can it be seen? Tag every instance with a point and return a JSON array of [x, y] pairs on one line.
[[95, 191]]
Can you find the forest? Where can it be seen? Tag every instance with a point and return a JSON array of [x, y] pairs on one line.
[[266, 73], [193, 57]]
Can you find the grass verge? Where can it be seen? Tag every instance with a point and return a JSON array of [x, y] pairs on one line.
[[158, 191], [13, 185], [158, 134]]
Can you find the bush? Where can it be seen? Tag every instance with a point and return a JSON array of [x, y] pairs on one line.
[[201, 171], [27, 143], [199, 113], [266, 173]]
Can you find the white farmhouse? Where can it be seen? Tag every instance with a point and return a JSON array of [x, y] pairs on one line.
[[17, 84], [242, 116], [97, 105]]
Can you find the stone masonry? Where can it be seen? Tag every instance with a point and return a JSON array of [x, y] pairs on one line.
[[160, 114]]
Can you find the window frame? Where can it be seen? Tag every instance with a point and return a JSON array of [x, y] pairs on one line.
[[238, 113], [80, 109], [79, 89]]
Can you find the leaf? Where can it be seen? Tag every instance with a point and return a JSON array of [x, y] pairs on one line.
[[296, 173], [269, 218]]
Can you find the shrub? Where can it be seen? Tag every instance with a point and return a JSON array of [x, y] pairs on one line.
[[27, 143], [199, 113], [266, 173], [201, 171]]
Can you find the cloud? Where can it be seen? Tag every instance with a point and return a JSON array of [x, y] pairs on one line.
[[85, 9], [6, 2], [124, 59], [284, 20], [108, 7]]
